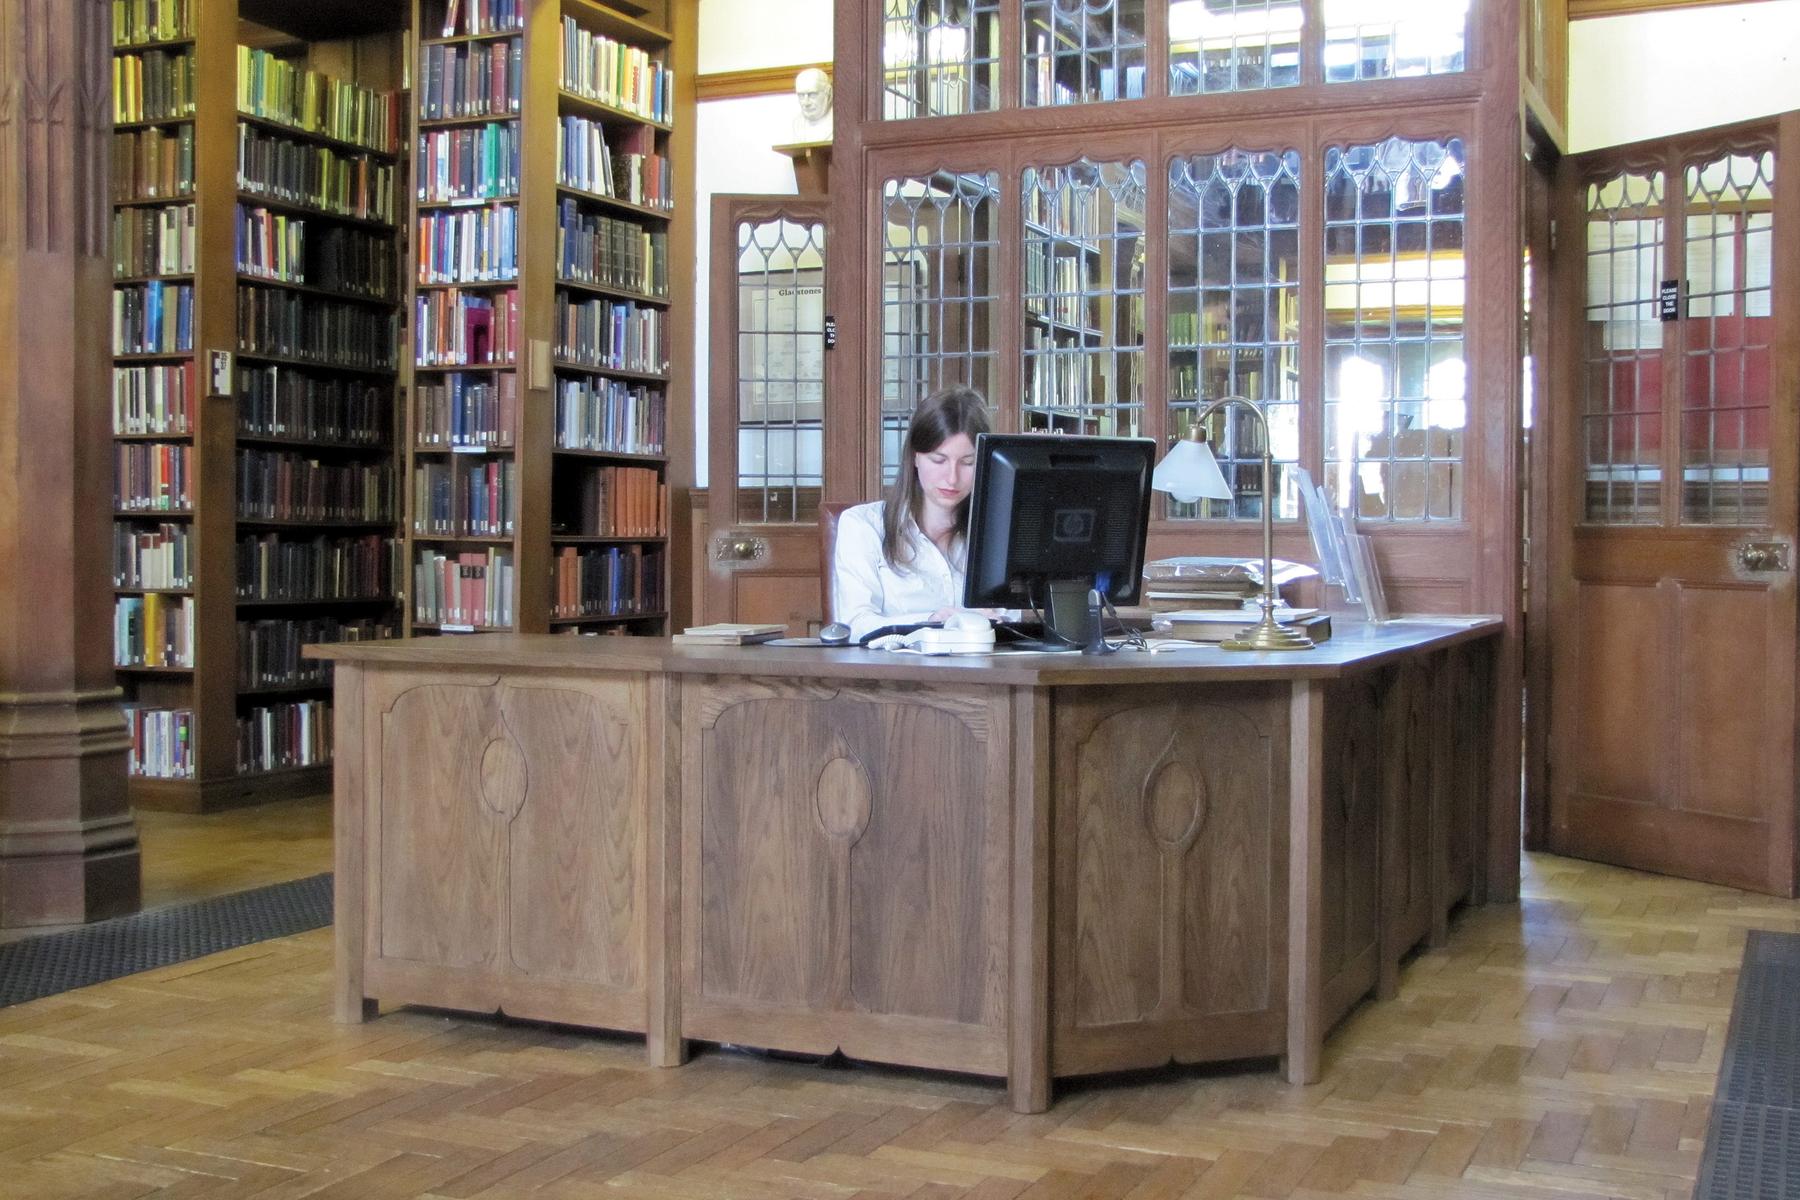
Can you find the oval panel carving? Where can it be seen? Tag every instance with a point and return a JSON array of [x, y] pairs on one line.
[[503, 776], [842, 799], [1174, 800]]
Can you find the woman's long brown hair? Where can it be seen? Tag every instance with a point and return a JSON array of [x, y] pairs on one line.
[[939, 417]]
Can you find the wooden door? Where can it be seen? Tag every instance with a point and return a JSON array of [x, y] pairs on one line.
[[1673, 420], [766, 411]]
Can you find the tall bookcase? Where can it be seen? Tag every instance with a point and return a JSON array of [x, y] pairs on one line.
[[537, 431], [257, 334]]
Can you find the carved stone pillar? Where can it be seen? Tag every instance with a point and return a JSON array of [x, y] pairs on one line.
[[68, 843]]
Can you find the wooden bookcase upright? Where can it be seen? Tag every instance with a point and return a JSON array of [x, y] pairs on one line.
[[505, 498], [202, 710]]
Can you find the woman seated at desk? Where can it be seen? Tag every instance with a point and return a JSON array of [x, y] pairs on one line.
[[902, 560]]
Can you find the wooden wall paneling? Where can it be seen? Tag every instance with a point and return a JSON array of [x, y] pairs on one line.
[[1029, 930], [1171, 884], [1406, 821], [810, 890], [1350, 839], [679, 473], [663, 882], [1306, 1013]]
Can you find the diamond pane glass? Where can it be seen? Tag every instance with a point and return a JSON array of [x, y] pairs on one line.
[[939, 57], [1621, 387], [1394, 39], [1233, 45], [1234, 318], [1078, 51], [780, 371], [1395, 406], [1726, 355], [937, 295], [1083, 340]]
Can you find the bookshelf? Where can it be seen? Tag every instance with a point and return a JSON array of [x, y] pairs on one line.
[[537, 432], [256, 336]]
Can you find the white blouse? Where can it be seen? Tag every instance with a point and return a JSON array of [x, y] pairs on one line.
[[867, 592]]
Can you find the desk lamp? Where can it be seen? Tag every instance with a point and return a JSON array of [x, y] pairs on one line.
[[1189, 472]]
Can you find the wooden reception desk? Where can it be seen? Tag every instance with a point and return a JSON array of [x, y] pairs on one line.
[[1029, 866]]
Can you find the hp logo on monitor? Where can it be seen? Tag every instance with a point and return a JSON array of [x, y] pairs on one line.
[[1073, 524]]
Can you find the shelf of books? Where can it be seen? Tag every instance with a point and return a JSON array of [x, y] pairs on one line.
[[256, 338], [537, 452]]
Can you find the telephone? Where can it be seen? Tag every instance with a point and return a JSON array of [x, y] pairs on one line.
[[961, 633]]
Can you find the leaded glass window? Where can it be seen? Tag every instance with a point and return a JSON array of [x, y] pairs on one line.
[[1394, 39], [939, 57], [1234, 321], [1725, 353], [1621, 390], [1395, 405], [938, 294], [781, 370], [1233, 45], [1083, 340], [1078, 51]]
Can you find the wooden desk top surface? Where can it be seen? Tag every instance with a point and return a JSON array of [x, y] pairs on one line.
[[1354, 647]]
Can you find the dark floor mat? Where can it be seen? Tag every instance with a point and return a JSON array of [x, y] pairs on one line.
[[1753, 1140], [58, 962]]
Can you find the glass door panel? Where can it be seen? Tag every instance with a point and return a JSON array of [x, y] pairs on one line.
[[1233, 45], [1080, 51], [1394, 39], [939, 57], [780, 371]]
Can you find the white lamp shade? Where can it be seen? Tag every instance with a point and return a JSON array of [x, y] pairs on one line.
[[1189, 472]]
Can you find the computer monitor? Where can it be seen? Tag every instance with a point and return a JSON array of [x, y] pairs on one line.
[[1052, 517]]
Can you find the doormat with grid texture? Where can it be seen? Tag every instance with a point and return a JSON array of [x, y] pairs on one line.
[[1753, 1140], [59, 962]]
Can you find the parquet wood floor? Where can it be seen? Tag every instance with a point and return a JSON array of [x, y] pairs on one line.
[[1559, 1049]]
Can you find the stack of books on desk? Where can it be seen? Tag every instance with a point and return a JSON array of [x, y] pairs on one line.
[[1215, 625], [727, 634]]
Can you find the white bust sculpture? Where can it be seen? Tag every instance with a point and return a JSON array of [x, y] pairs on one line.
[[812, 88]]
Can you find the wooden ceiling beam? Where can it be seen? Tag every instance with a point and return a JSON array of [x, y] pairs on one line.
[[1618, 8]]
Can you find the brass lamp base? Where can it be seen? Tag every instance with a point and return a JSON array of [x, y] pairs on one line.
[[1268, 634]]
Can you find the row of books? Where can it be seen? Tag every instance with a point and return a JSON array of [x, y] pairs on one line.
[[1056, 287], [611, 415], [137, 21], [457, 328], [277, 401], [1067, 212], [280, 168], [612, 335], [273, 90], [470, 79], [283, 486], [473, 590], [469, 164], [461, 497], [162, 742], [466, 410], [610, 581], [153, 318], [613, 502], [473, 18], [162, 557], [329, 332], [157, 85], [615, 74], [274, 245], [279, 737], [154, 399], [153, 241], [279, 567], [611, 252], [594, 157], [153, 164], [268, 652], [153, 630], [152, 477], [475, 245]]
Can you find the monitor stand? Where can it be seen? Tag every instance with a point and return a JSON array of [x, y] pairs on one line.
[[1072, 616]]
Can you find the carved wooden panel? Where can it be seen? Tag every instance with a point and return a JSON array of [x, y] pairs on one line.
[[851, 851], [444, 800], [1467, 713], [1408, 719], [574, 871], [1170, 823], [1351, 834]]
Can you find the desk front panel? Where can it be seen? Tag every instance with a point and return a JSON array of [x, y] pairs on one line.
[[845, 866]]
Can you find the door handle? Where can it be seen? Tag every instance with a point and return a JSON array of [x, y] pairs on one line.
[[1763, 556], [740, 548]]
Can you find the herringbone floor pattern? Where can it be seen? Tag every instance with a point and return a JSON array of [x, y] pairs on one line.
[[1559, 1049]]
